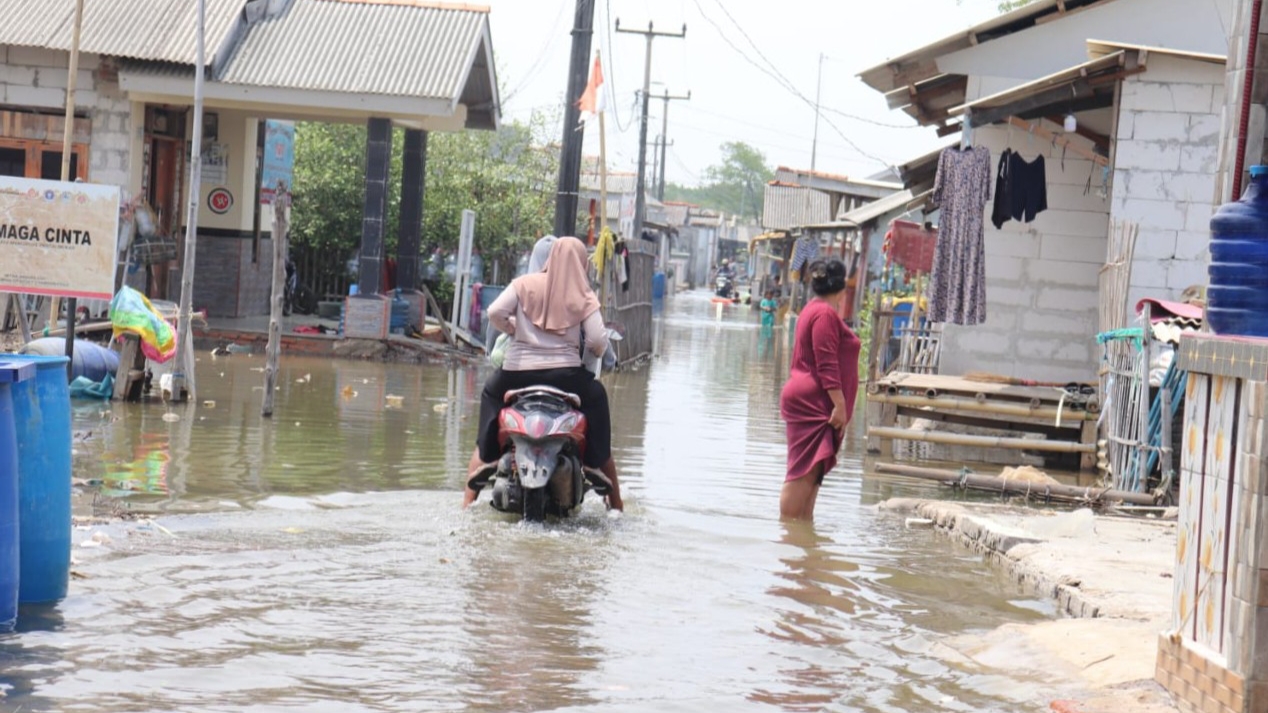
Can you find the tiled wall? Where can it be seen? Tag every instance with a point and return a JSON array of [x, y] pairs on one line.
[[1212, 658]]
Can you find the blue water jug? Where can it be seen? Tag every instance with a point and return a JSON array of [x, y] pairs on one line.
[[1237, 297]]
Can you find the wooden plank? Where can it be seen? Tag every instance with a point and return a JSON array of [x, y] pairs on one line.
[[1088, 434], [130, 347], [440, 317], [1059, 140], [944, 383], [1069, 417], [981, 422], [959, 439]]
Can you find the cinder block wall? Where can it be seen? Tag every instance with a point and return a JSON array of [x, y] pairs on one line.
[[1165, 178], [1041, 277], [37, 78]]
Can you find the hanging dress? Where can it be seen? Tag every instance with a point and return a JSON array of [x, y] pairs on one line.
[[961, 190]]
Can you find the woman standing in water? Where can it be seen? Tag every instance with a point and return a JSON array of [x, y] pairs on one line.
[[818, 400]]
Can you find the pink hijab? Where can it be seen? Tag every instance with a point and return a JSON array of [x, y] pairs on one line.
[[560, 297]]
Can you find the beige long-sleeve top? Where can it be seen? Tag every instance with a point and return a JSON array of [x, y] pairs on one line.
[[533, 348]]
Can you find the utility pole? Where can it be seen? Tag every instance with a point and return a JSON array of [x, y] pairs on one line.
[[640, 201], [664, 139], [659, 168], [814, 145], [570, 153]]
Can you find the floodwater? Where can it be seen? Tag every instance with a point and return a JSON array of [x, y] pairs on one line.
[[319, 561]]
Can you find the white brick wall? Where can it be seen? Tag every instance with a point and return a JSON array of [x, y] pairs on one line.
[[37, 78], [1041, 278], [1166, 158]]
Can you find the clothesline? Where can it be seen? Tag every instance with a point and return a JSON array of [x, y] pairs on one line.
[[1058, 140]]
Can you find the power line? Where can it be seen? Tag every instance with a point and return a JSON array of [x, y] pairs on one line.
[[537, 65], [780, 79], [611, 58]]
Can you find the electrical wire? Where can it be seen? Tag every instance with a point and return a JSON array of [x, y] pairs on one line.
[[782, 80], [538, 63], [621, 127]]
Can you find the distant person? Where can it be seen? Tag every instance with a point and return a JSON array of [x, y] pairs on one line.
[[817, 402], [768, 306]]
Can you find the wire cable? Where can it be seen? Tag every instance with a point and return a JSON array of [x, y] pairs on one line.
[[783, 81]]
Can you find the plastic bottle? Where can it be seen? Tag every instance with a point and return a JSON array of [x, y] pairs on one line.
[[1237, 297]]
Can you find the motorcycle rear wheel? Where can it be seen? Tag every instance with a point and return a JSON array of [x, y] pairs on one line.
[[535, 501]]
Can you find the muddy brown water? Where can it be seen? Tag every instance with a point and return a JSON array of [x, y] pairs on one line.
[[319, 561]]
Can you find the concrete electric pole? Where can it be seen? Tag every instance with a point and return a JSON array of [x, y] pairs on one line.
[[640, 202], [664, 139]]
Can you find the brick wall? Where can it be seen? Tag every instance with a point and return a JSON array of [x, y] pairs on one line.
[[1165, 160], [1041, 277], [229, 283], [32, 78]]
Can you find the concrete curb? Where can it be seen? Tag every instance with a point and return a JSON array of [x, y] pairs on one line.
[[1009, 548]]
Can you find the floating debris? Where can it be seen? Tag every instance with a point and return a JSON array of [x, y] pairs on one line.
[[209, 403], [171, 417], [394, 401]]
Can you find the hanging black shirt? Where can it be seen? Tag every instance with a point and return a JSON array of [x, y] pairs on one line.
[[1021, 189]]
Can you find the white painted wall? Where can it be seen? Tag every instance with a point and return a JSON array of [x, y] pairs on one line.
[[1041, 278], [1166, 160], [1193, 25]]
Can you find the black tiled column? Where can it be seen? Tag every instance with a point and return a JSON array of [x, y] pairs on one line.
[[378, 163]]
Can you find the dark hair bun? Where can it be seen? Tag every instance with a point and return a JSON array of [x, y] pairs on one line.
[[827, 276]]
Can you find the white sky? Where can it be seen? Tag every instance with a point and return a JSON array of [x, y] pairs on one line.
[[731, 99]]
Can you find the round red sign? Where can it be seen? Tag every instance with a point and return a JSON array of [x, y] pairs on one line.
[[220, 201]]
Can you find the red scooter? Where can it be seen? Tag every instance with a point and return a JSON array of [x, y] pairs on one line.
[[542, 433]]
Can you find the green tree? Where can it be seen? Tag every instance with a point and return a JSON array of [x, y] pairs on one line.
[[505, 176], [735, 185]]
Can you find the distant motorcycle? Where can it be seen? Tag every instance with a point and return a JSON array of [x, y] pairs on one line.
[[542, 433], [724, 287]]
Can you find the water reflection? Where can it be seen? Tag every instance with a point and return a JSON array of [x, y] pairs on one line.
[[289, 583]]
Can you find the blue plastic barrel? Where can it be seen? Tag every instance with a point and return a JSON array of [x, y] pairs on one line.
[[92, 361], [658, 285], [41, 407], [12, 374], [399, 317], [1237, 296]]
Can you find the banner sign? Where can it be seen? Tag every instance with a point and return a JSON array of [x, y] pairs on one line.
[[58, 238], [279, 158]]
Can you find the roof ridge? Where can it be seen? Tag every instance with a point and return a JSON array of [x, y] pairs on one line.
[[428, 4]]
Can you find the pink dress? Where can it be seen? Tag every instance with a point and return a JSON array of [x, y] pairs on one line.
[[825, 356]]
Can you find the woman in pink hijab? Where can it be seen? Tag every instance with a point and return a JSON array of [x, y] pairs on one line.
[[546, 314]]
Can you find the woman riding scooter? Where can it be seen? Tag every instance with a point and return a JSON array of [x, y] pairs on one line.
[[546, 314]]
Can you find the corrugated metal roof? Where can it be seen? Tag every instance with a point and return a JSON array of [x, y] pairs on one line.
[[787, 207], [409, 50], [871, 211], [156, 30], [617, 182], [921, 64]]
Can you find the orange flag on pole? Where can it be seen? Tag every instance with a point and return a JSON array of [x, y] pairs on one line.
[[591, 102]]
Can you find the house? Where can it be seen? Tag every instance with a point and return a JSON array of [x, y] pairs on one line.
[[384, 63], [809, 205], [1144, 83]]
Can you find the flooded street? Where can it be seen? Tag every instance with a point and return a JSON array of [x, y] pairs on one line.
[[320, 561]]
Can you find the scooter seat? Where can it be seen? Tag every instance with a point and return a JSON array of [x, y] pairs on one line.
[[572, 399]]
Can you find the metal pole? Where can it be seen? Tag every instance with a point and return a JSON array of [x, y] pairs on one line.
[[68, 135], [183, 381], [574, 136], [814, 144], [664, 138]]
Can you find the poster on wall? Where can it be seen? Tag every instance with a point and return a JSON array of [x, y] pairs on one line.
[[216, 164], [279, 158], [58, 238]]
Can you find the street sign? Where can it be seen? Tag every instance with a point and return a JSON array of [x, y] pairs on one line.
[[58, 238], [279, 159]]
